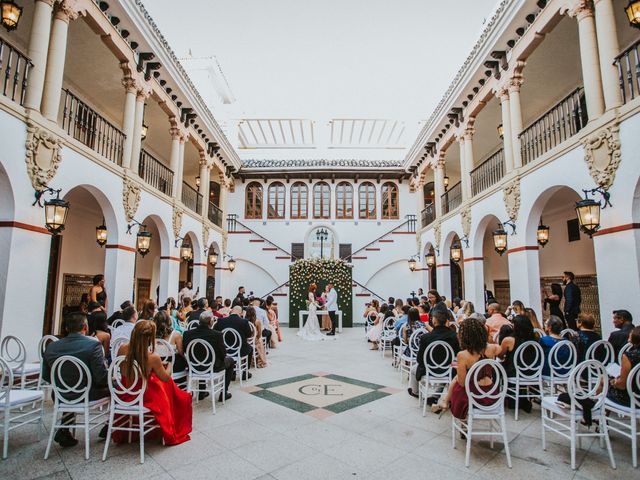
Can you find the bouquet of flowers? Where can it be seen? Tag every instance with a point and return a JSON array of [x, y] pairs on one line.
[[321, 301]]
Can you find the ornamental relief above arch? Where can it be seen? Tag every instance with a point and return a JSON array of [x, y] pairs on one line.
[[602, 155], [43, 155]]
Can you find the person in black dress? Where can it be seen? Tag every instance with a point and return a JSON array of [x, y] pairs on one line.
[[553, 301]]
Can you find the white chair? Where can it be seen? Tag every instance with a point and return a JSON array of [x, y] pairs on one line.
[[407, 361], [602, 351], [559, 369], [18, 407], [486, 404], [252, 343], [539, 333], [71, 382], [117, 323], [626, 347], [201, 358], [42, 346], [193, 324], [528, 361], [167, 353], [387, 336], [13, 351], [127, 410], [370, 321], [116, 343], [587, 381], [398, 349], [438, 358], [233, 345], [624, 420], [568, 334]]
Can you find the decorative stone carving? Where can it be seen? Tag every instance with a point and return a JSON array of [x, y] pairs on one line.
[[205, 236], [176, 221], [43, 156], [130, 198], [511, 193], [437, 232], [578, 9], [225, 241], [465, 219], [602, 154]]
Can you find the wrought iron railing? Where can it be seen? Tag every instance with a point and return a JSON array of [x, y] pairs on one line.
[[14, 67], [628, 63], [452, 198], [487, 173], [87, 126], [215, 214], [560, 123], [155, 173], [428, 215], [191, 198]]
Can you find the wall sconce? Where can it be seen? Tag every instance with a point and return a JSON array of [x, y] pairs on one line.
[[588, 210], [430, 259], [632, 10], [231, 263], [456, 252], [212, 256], [542, 234], [143, 132], [101, 234], [11, 14], [143, 238], [186, 252], [501, 131], [500, 236], [55, 210]]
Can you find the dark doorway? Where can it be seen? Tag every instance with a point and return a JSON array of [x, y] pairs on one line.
[[456, 281], [52, 280]]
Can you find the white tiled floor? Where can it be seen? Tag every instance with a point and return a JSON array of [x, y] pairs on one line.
[[250, 438]]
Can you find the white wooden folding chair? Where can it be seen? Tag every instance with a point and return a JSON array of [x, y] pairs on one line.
[[13, 351], [42, 346], [201, 358], [559, 368], [116, 343], [602, 351], [528, 361], [387, 336], [233, 345], [193, 324], [438, 358], [407, 361], [167, 353], [252, 343]]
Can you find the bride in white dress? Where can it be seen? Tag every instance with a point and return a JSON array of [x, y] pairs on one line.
[[311, 330]]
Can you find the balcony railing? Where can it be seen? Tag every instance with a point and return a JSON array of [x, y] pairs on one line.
[[215, 214], [487, 173], [155, 173], [560, 123], [14, 68], [628, 63], [428, 215], [191, 198], [452, 198], [87, 126]]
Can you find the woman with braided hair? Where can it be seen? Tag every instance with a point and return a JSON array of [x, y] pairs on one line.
[[474, 345]]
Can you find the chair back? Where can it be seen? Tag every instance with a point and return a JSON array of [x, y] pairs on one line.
[[414, 341], [44, 343], [165, 350], [6, 381], [389, 324], [438, 357], [116, 343], [70, 381], [626, 347], [633, 387], [601, 351], [568, 334], [232, 342], [539, 332], [117, 323], [559, 367], [13, 351], [529, 360], [252, 340], [129, 394], [193, 324], [485, 399], [588, 380], [371, 318], [200, 356]]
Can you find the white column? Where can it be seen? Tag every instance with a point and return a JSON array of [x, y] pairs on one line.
[[37, 52], [590, 58], [128, 119], [515, 111], [174, 159], [55, 61], [469, 160], [136, 140], [464, 173], [439, 188], [474, 281], [119, 274], [169, 277], [507, 141], [180, 172], [203, 189], [608, 49]]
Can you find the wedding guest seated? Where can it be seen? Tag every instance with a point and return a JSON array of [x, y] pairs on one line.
[[272, 313], [240, 325], [374, 333], [440, 332], [117, 315], [184, 311], [261, 315], [205, 332], [165, 331], [496, 320], [98, 326], [552, 328], [623, 321], [170, 406], [397, 309], [226, 309], [88, 351], [149, 309], [215, 307], [467, 309], [202, 305], [474, 345], [130, 317], [261, 354], [516, 308], [587, 335], [533, 318], [423, 309], [618, 387], [413, 324]]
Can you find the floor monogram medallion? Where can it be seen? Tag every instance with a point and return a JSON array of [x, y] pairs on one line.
[[320, 394]]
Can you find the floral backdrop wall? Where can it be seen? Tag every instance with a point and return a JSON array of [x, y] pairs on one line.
[[304, 272]]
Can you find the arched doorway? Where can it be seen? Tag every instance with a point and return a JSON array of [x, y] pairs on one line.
[[148, 267], [7, 215], [213, 272], [455, 267]]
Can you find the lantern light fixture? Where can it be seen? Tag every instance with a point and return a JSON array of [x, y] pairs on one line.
[[456, 252], [143, 238], [501, 131], [231, 263], [101, 234], [186, 252], [11, 13], [413, 262], [500, 236], [633, 13], [542, 234], [446, 182], [430, 259], [55, 210], [198, 181], [212, 256], [144, 131], [588, 210]]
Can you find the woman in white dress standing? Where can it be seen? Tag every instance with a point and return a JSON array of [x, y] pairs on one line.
[[311, 330]]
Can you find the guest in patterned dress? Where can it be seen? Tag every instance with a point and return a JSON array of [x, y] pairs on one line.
[[618, 387]]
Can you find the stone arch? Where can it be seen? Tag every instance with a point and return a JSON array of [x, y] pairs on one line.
[[532, 216]]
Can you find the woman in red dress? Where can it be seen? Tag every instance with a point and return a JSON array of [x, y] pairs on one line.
[[170, 406]]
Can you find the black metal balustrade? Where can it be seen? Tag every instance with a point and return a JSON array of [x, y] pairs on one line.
[[191, 198], [628, 64], [87, 126], [560, 123], [215, 214], [488, 173], [155, 173], [452, 198], [428, 215], [14, 67]]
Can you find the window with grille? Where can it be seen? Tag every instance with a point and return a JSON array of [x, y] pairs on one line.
[[299, 200], [321, 200], [390, 208], [344, 200], [367, 200], [253, 201], [275, 208]]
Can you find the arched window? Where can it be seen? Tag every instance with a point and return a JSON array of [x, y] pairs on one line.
[[390, 208], [344, 200], [275, 208], [367, 200], [321, 200], [299, 197], [253, 201]]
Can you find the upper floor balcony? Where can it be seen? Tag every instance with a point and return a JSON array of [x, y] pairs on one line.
[[14, 72]]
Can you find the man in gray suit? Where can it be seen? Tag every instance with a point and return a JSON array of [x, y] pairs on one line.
[[89, 351]]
